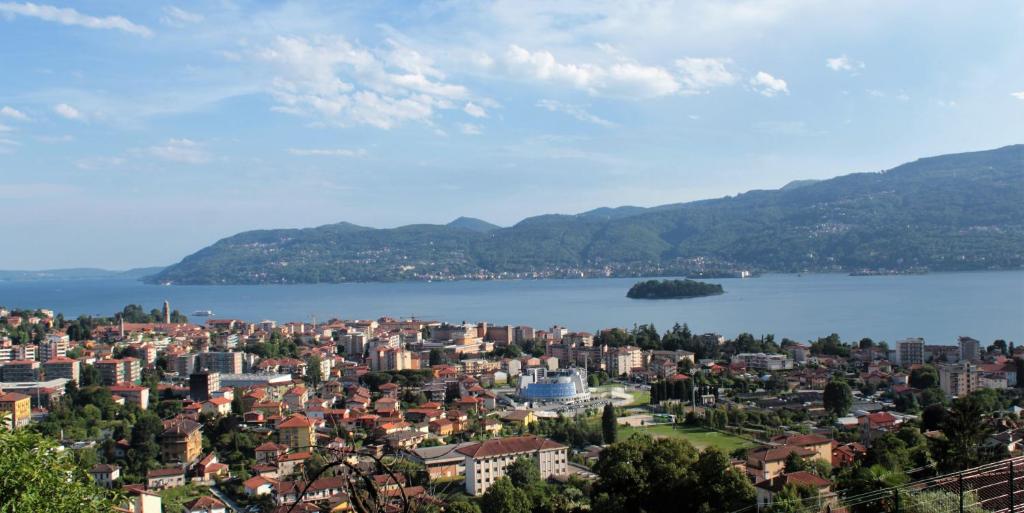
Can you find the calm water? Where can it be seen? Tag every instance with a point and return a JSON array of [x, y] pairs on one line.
[[937, 306]]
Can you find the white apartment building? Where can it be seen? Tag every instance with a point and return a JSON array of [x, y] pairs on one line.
[[486, 461], [910, 351]]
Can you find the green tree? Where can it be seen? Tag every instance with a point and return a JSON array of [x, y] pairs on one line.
[[965, 428], [795, 463], [37, 478], [523, 472], [924, 377], [609, 424], [837, 397], [461, 506], [504, 497]]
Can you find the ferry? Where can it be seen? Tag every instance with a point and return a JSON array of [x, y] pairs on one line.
[[202, 313]]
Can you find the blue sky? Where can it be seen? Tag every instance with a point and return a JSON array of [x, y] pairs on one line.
[[134, 133]]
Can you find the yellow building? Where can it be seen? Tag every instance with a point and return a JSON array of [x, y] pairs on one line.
[[15, 409], [181, 441], [296, 432]]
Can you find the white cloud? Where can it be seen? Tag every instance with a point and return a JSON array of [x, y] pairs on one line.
[[843, 63], [700, 74], [185, 151], [1018, 95], [94, 163], [178, 17], [326, 152], [9, 142], [66, 111], [625, 79], [475, 110], [349, 84], [575, 111], [470, 129], [768, 85], [13, 113], [68, 16], [5, 128]]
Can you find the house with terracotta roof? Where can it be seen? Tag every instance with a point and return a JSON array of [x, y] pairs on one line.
[[205, 504], [163, 478], [769, 462], [217, 406], [769, 488], [181, 440], [486, 461], [822, 445], [296, 432], [105, 474]]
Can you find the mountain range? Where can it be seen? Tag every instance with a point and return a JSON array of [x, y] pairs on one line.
[[952, 212]]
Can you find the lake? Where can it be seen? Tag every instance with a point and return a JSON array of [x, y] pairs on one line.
[[936, 306]]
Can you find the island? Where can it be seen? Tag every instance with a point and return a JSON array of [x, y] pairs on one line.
[[673, 289]]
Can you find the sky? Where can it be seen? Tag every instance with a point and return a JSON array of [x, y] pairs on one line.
[[135, 133]]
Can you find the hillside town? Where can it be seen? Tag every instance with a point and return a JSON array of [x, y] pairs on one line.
[[231, 415]]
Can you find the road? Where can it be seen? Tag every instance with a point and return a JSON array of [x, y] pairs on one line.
[[232, 505]]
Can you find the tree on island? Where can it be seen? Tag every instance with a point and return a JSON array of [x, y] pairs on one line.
[[672, 289]]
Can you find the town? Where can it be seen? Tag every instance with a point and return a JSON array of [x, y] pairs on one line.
[[418, 415]]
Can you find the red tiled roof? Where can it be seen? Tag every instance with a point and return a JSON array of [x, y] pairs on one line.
[[295, 421], [511, 445]]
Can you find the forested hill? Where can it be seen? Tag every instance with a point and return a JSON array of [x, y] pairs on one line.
[[951, 212]]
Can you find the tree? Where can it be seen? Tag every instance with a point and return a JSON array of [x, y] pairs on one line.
[[795, 463], [461, 506], [643, 474], [924, 377], [965, 428], [837, 397], [609, 424], [37, 478], [523, 472], [504, 497], [436, 357]]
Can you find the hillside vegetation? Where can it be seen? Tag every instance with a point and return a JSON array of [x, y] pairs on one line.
[[951, 212]]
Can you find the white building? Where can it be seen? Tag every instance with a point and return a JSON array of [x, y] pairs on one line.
[[486, 461], [910, 351], [959, 379], [764, 361]]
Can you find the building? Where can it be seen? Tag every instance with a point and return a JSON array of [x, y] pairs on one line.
[[970, 349], [202, 384], [769, 488], [383, 358], [167, 312], [486, 461], [205, 504], [183, 364], [296, 432], [442, 461], [566, 386], [134, 394], [16, 371], [764, 361], [62, 367], [15, 409], [959, 379], [124, 370], [105, 474], [224, 362], [163, 478], [910, 351], [55, 346], [181, 441]]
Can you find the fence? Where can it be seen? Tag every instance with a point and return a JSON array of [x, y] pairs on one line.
[[993, 488]]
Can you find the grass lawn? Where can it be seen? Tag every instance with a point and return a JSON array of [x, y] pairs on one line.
[[640, 398], [175, 498], [699, 437]]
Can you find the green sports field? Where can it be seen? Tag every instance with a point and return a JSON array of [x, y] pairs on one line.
[[699, 437]]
